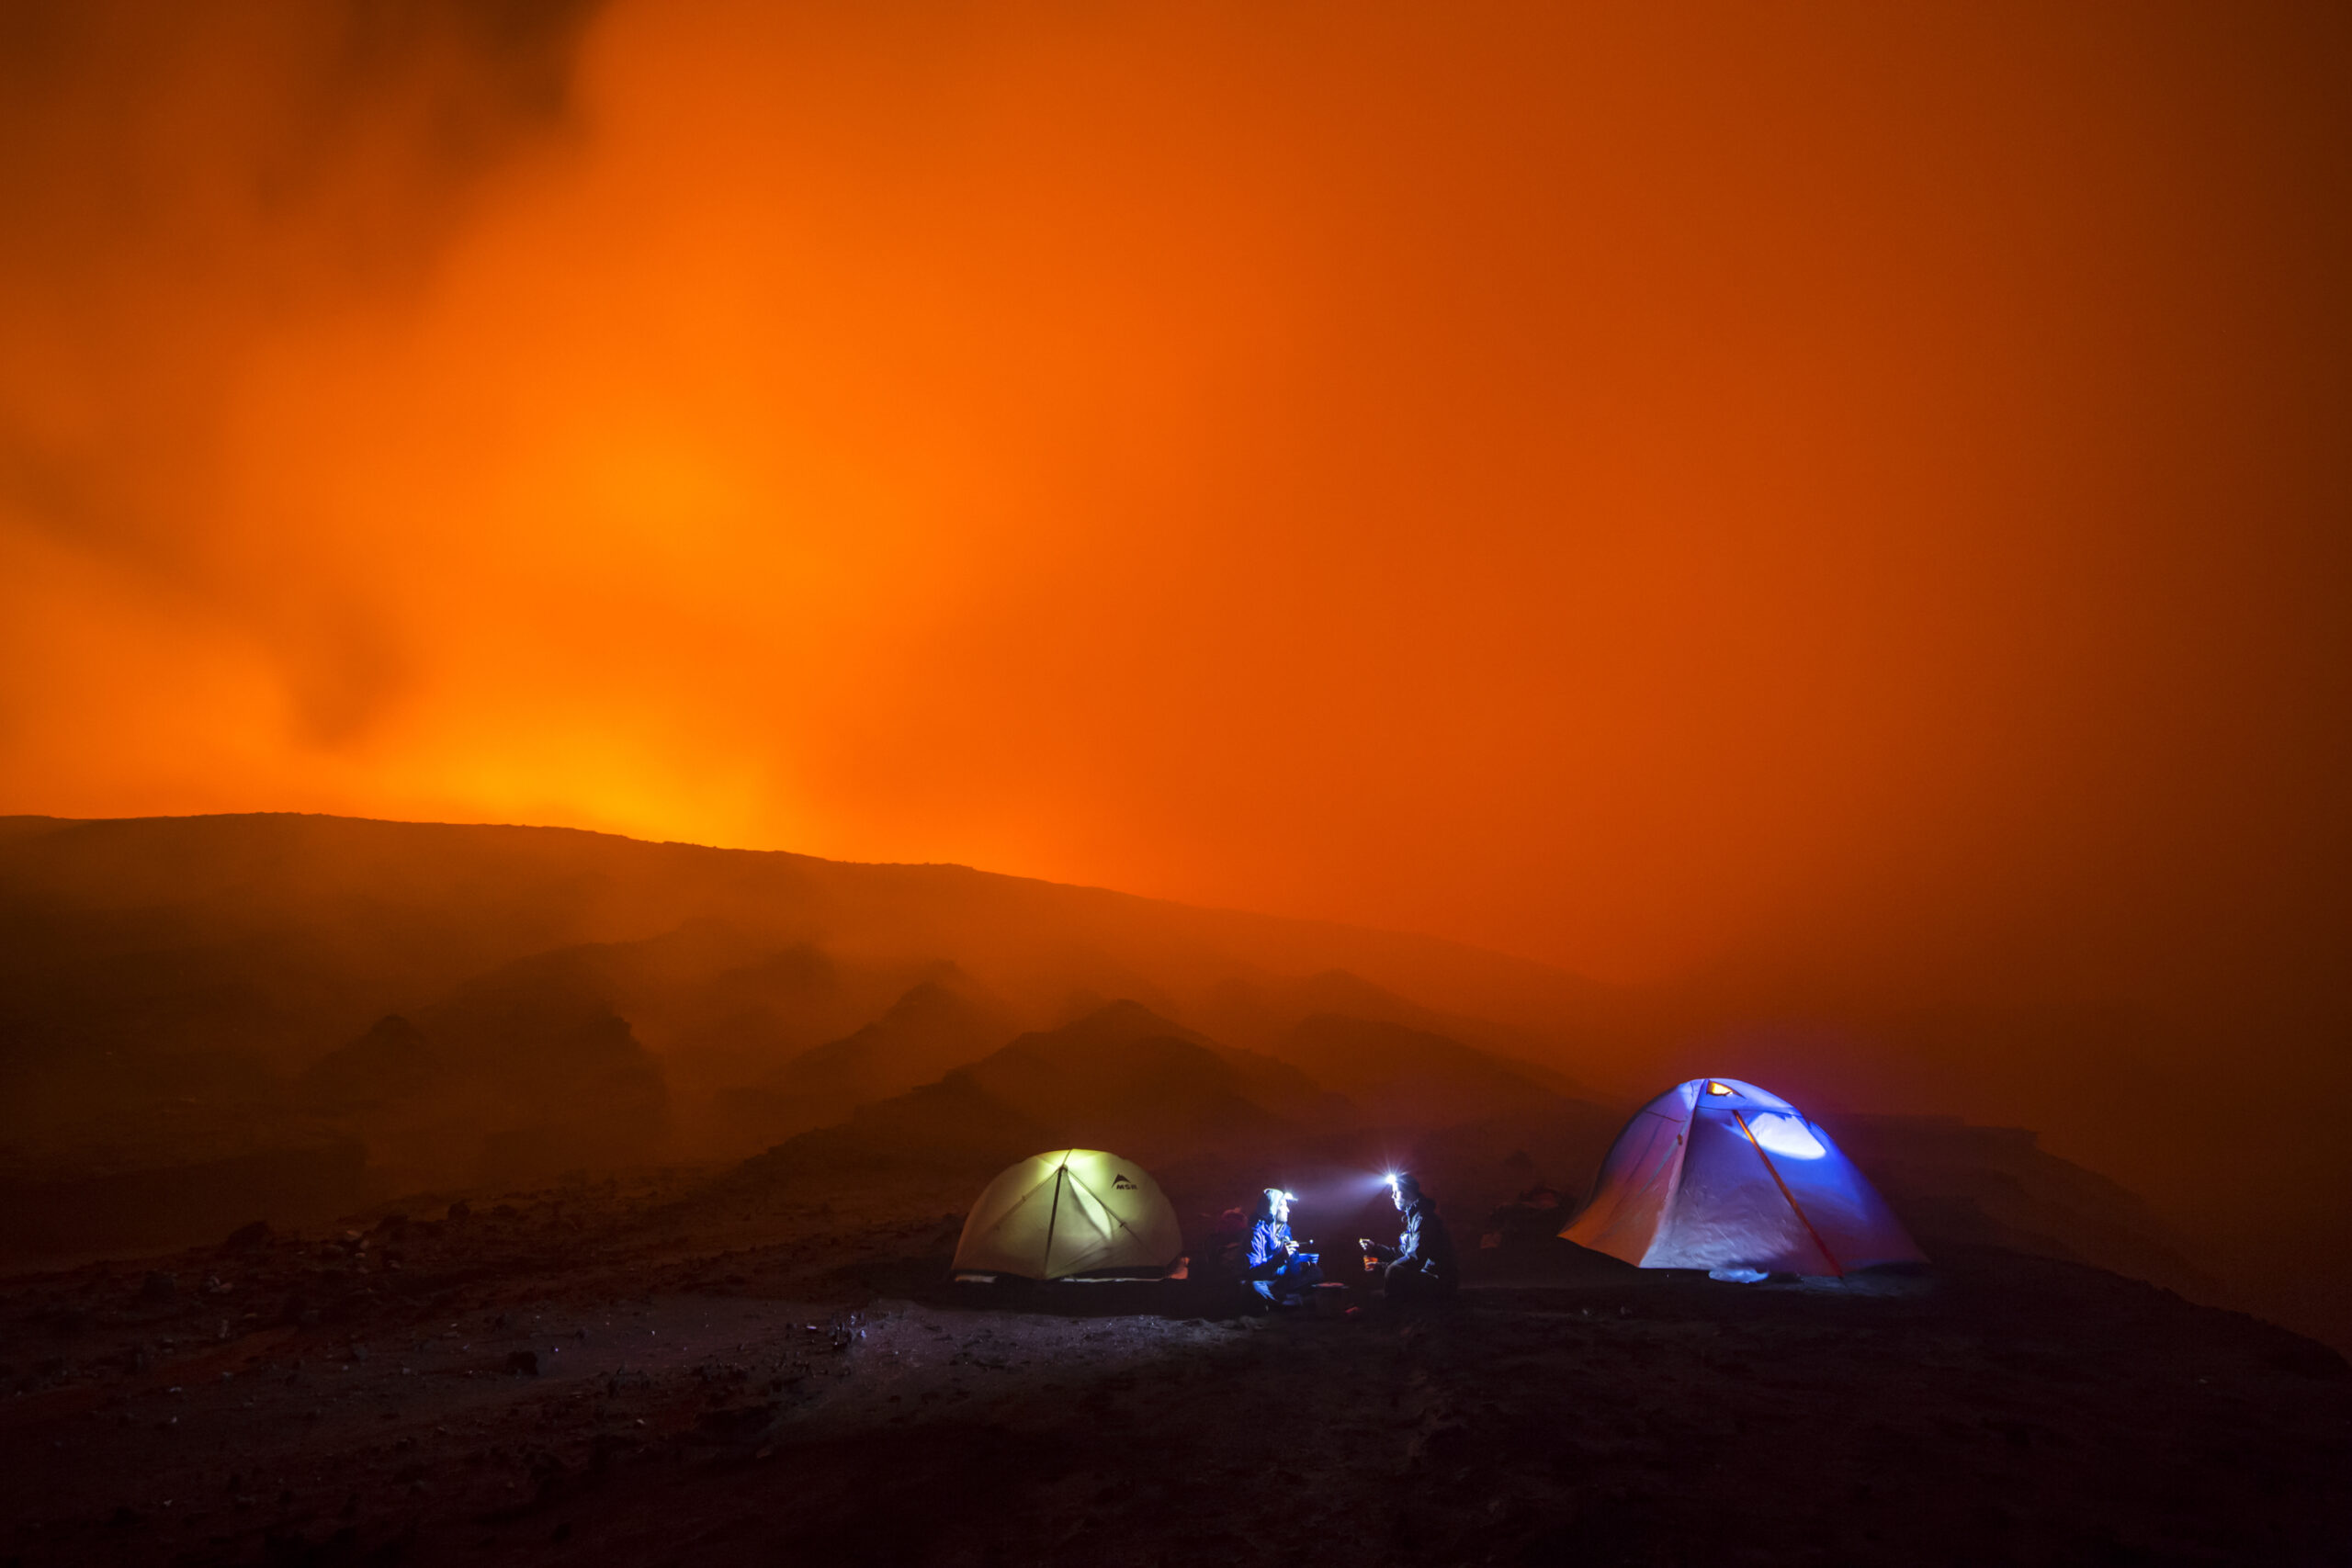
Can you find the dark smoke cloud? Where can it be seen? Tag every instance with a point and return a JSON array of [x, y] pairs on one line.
[[178, 182]]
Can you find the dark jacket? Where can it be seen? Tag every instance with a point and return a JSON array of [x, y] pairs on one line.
[[1426, 1246]]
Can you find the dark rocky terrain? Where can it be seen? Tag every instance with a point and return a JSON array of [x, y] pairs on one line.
[[743, 1369]]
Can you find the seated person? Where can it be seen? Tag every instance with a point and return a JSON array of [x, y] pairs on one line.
[[1275, 1268], [1422, 1265]]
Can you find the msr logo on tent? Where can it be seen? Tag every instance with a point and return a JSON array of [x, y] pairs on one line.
[[1121, 1184]]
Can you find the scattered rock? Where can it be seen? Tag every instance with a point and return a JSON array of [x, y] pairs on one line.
[[249, 1238], [738, 1425]]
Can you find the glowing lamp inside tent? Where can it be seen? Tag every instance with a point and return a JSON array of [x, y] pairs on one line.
[[1714, 1087], [1786, 1136]]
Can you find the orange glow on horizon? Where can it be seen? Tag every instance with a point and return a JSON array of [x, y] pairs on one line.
[[1628, 489]]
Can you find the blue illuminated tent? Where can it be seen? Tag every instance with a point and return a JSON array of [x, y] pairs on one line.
[[1720, 1175]]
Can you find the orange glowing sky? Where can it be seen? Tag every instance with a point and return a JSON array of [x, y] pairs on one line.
[[1625, 485]]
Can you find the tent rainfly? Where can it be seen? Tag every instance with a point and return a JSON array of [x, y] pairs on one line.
[[1720, 1175], [1071, 1212]]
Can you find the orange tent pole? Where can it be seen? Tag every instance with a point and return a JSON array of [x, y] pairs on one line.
[[1792, 1197]]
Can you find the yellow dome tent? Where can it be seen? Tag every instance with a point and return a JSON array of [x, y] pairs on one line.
[[1071, 1212]]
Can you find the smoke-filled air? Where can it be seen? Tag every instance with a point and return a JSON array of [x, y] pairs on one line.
[[1445, 570]]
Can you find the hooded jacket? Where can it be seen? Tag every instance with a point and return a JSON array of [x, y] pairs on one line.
[[1426, 1246], [1268, 1249]]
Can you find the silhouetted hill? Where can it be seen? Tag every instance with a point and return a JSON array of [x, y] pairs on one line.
[[233, 948], [1121, 1077], [1124, 1055], [938, 1024], [1412, 1076], [390, 1065], [1214, 1122], [245, 965], [711, 990], [274, 927], [1268, 1012], [509, 1094]]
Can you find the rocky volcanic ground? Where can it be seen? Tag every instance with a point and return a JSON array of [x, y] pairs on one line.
[[668, 1372]]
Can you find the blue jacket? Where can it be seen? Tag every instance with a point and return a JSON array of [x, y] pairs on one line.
[[1267, 1250]]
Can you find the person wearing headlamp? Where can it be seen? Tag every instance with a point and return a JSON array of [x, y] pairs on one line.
[[1422, 1265], [1276, 1269]]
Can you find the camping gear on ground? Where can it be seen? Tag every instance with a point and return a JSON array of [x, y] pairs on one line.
[[1071, 1214], [1720, 1175]]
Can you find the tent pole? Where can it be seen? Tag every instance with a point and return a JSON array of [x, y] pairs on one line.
[[1047, 1262], [1783, 1185], [1090, 1192]]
